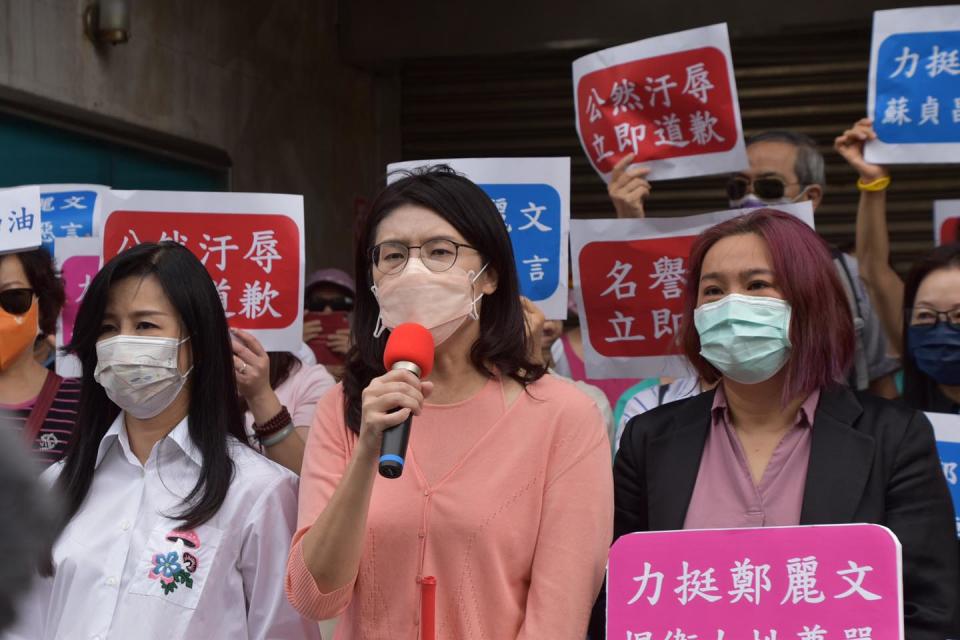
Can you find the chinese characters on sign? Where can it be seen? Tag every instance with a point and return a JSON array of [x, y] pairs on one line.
[[250, 280], [78, 260], [946, 427], [19, 219], [633, 295], [779, 583], [630, 277], [531, 213], [946, 221], [254, 256], [68, 211], [671, 101], [532, 196], [915, 85]]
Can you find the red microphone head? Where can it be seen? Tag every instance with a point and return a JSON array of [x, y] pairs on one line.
[[410, 342]]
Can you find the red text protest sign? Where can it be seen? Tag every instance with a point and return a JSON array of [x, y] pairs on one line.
[[840, 582], [670, 101], [254, 253], [630, 278], [946, 221], [633, 294]]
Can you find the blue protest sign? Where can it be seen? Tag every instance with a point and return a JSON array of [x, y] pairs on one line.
[[68, 211], [946, 427], [914, 95], [533, 198], [532, 215]]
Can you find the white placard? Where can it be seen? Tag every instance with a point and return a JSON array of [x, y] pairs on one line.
[[533, 197], [670, 100], [913, 95], [946, 221], [19, 219], [251, 243], [629, 290]]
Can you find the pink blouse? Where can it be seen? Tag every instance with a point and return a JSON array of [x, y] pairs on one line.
[[725, 496], [509, 507]]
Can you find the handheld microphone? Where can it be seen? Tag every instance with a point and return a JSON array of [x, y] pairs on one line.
[[409, 347]]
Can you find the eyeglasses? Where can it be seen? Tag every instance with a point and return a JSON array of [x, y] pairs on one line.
[[16, 301], [437, 255], [769, 188], [927, 317], [339, 303]]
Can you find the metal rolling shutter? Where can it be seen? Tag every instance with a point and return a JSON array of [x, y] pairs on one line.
[[813, 81]]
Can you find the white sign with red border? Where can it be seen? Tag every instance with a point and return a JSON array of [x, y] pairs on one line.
[[251, 243]]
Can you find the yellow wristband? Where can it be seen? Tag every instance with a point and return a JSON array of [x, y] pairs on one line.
[[880, 184]]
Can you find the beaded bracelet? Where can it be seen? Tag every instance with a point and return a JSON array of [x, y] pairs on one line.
[[279, 436], [274, 424]]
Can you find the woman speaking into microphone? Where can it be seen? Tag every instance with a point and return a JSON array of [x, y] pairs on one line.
[[506, 494]]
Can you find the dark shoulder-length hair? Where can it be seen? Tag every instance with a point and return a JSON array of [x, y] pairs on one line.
[[503, 344], [214, 415], [821, 327], [919, 389]]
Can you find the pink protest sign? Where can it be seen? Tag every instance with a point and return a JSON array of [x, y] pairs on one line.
[[831, 582], [79, 261], [77, 272], [671, 101]]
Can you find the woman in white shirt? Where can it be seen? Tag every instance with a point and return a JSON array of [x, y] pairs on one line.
[[175, 527]]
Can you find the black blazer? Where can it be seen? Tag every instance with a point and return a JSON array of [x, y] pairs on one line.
[[871, 461]]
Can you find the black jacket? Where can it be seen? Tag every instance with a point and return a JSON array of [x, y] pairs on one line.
[[871, 461]]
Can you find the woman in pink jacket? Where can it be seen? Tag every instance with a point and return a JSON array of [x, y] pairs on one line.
[[506, 495]]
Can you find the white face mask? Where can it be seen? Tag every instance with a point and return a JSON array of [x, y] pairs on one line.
[[441, 302], [140, 374]]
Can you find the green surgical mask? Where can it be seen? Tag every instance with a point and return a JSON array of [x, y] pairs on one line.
[[747, 338]]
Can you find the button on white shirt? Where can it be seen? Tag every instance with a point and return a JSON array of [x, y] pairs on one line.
[[142, 577]]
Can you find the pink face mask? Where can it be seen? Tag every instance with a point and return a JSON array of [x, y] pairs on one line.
[[441, 302]]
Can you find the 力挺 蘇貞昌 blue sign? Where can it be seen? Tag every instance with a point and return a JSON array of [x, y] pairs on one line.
[[913, 95], [532, 215], [918, 88]]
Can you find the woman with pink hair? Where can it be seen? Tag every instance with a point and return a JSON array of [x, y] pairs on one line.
[[781, 441]]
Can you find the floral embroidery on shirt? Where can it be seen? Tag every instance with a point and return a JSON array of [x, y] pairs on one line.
[[175, 568]]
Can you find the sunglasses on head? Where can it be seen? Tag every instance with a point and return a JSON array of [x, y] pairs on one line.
[[768, 188], [16, 301], [340, 303]]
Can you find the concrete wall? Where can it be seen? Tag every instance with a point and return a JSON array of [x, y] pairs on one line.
[[261, 80], [381, 32]]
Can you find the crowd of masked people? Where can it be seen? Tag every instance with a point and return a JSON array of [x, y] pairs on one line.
[[203, 487]]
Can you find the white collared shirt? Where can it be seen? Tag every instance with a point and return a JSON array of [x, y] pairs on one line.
[[123, 570]]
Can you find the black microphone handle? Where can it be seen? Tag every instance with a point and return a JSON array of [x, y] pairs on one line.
[[393, 446], [393, 449]]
